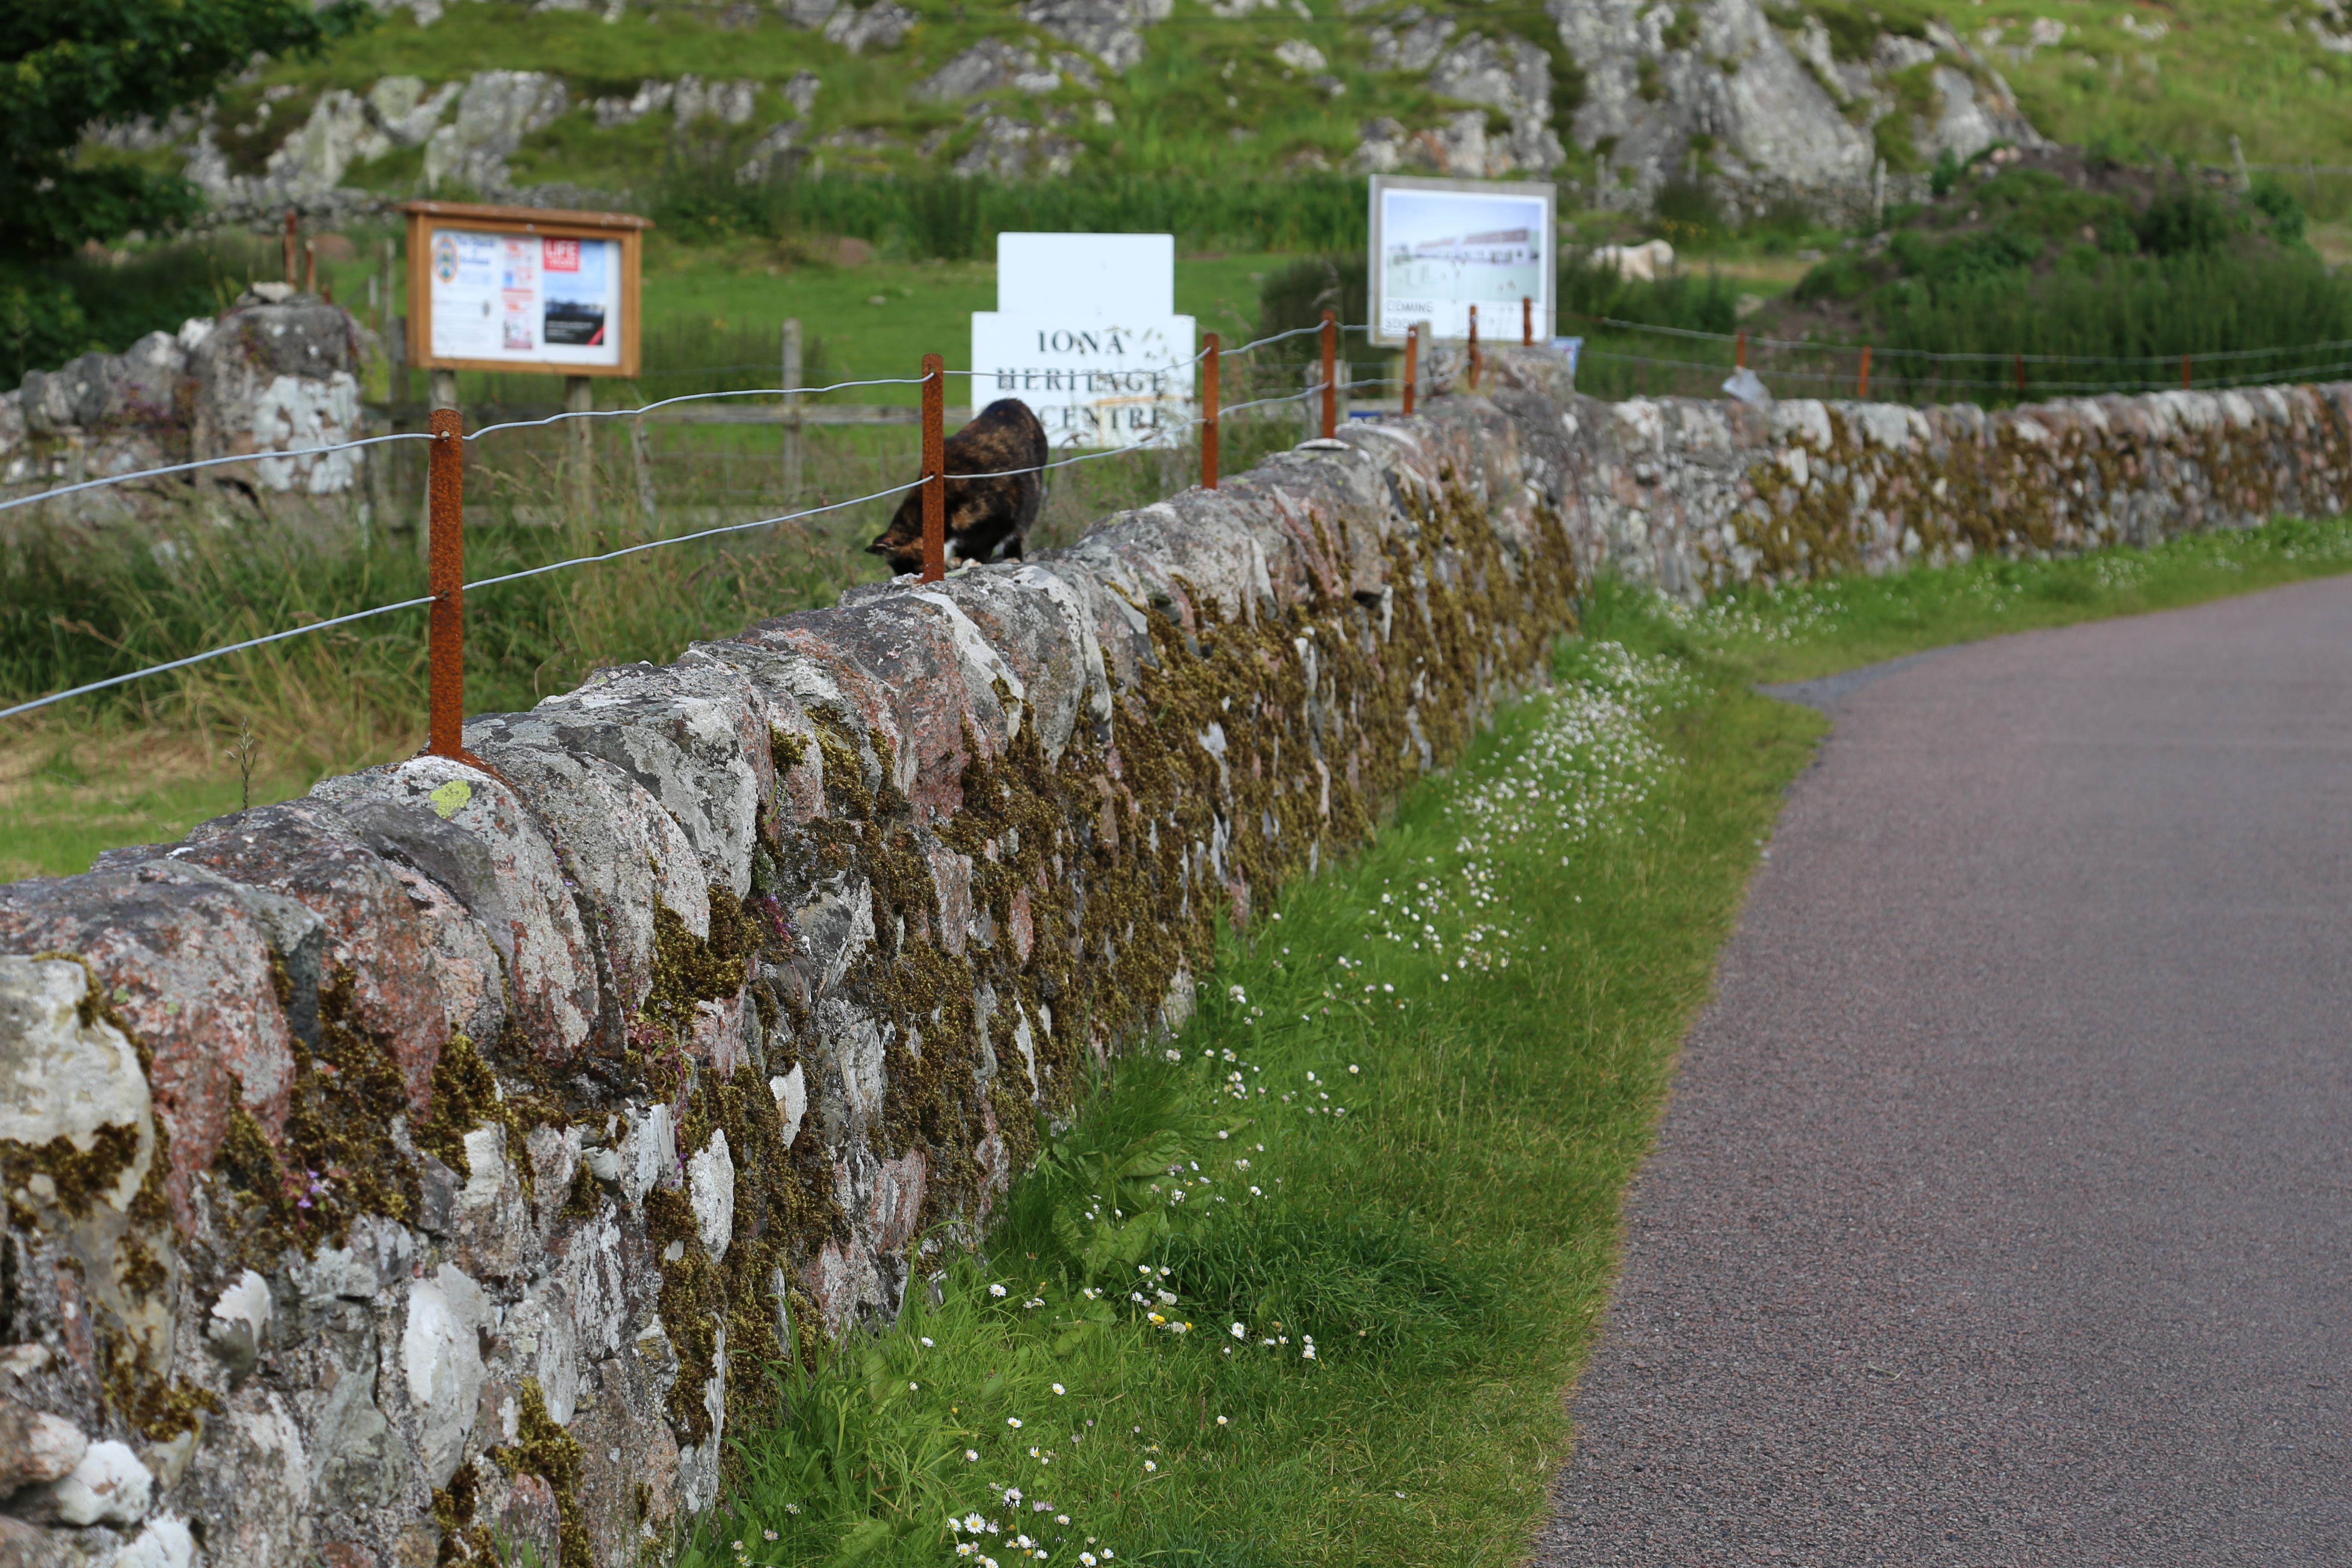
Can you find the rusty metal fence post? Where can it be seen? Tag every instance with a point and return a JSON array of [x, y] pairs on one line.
[[1862, 386], [1473, 348], [1527, 322], [1412, 364], [1209, 417], [447, 568], [935, 481], [2184, 372], [1331, 373]]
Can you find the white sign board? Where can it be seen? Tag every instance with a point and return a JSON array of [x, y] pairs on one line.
[[1440, 246], [1085, 332], [1092, 384], [1098, 275], [525, 298]]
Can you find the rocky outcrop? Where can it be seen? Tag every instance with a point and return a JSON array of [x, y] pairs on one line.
[[879, 25], [277, 373], [495, 112], [1110, 30], [1502, 73], [1761, 110], [990, 66], [436, 1162], [1615, 97]]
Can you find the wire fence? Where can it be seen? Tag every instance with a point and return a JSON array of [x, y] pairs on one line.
[[1611, 364], [1260, 384], [447, 521]]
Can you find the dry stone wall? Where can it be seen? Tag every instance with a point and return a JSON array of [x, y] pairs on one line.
[[441, 1157], [278, 373]]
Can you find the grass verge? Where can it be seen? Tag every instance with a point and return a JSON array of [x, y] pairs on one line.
[[1306, 1284]]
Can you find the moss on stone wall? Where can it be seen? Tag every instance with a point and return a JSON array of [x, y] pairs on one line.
[[2034, 481]]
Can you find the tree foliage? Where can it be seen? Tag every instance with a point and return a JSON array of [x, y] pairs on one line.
[[66, 65]]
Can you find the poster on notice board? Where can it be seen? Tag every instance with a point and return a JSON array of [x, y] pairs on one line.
[[524, 296], [1441, 247], [524, 289]]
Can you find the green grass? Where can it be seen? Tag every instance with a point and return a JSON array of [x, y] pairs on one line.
[[927, 306], [1839, 622], [1447, 1242], [67, 808]]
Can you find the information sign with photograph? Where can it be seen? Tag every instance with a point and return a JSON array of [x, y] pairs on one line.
[[522, 288], [1440, 246], [1085, 332]]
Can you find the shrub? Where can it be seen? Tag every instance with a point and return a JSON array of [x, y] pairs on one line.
[[2184, 219], [2278, 204]]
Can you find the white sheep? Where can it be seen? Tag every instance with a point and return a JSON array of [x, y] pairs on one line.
[[1635, 263]]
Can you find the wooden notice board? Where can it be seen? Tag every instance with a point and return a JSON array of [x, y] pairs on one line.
[[523, 288]]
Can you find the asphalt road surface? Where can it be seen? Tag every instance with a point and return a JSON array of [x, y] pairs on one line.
[[2003, 1210]]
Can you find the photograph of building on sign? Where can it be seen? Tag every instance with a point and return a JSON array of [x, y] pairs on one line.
[[1085, 332], [524, 296], [1440, 246]]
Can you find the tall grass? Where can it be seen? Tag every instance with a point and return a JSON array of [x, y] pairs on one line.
[[2204, 302], [2072, 324], [926, 216]]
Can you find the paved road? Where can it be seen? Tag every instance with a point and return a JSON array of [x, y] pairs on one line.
[[2003, 1212]]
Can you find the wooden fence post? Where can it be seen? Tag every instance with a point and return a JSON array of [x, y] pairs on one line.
[[580, 468], [794, 453], [1412, 364], [641, 457], [1527, 322]]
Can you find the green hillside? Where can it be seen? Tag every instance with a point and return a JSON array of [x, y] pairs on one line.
[[759, 134], [1210, 95]]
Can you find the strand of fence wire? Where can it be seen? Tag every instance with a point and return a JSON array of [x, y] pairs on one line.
[[646, 408], [644, 545], [429, 599], [213, 463], [212, 653], [1880, 352]]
